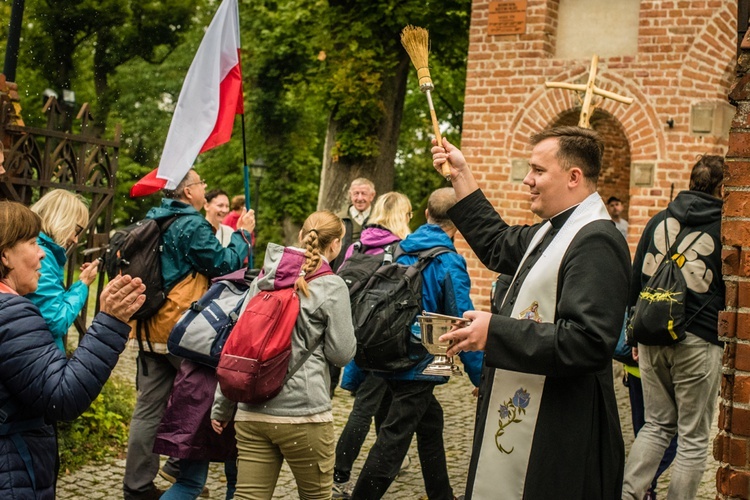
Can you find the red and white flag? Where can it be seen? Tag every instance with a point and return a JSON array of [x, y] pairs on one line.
[[211, 96]]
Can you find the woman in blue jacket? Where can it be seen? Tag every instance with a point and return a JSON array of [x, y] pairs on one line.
[[38, 384], [64, 217]]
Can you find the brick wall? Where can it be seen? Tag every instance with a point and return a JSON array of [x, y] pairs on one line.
[[731, 445], [685, 55]]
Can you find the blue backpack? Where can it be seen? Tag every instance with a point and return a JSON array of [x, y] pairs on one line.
[[203, 329]]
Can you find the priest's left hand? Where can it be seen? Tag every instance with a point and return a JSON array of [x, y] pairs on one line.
[[472, 337]]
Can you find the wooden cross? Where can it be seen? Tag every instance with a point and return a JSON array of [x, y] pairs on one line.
[[587, 107]]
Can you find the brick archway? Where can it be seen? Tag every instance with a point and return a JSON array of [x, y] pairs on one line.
[[614, 179], [543, 107]]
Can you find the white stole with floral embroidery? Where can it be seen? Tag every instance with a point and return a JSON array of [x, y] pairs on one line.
[[515, 397]]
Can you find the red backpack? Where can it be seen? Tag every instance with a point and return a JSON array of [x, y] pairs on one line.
[[254, 364]]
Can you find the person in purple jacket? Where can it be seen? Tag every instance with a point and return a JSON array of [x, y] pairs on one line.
[[388, 224]]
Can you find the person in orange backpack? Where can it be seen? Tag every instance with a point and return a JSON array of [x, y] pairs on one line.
[[297, 424]]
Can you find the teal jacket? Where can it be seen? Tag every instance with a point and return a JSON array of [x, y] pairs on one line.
[[59, 307], [190, 245]]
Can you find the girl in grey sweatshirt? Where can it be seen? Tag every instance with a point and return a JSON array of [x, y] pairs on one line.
[[297, 424]]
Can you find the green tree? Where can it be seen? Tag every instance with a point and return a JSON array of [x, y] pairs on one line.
[[368, 71], [67, 38], [327, 84]]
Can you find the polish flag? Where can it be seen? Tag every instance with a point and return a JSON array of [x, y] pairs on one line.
[[211, 96]]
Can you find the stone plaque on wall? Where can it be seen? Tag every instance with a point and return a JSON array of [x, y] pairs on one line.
[[507, 17], [519, 167], [642, 174], [608, 29]]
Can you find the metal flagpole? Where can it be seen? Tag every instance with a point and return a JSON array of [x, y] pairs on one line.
[[246, 171]]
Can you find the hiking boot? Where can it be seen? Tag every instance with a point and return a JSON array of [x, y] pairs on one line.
[[342, 490], [169, 477]]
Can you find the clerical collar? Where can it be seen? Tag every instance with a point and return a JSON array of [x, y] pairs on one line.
[[358, 216], [559, 220]]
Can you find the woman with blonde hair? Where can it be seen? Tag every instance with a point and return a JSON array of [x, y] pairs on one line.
[[388, 224], [64, 217], [297, 425]]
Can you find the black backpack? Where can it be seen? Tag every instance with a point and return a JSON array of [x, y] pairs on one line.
[[658, 317], [384, 311], [357, 270], [136, 250]]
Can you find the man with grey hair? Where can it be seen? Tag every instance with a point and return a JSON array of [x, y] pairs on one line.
[[361, 194], [354, 216], [190, 256]]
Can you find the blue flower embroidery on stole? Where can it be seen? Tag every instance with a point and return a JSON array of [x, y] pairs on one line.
[[509, 413]]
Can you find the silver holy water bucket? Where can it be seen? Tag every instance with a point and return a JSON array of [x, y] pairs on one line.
[[432, 326]]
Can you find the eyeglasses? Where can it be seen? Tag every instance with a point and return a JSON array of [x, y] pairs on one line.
[[79, 230], [194, 183]]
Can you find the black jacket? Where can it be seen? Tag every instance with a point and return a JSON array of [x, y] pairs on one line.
[[702, 268], [577, 450], [46, 387]]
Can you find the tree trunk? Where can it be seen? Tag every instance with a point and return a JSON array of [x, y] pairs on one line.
[[336, 176], [102, 70]]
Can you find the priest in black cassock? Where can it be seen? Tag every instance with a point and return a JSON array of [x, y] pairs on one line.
[[547, 423]]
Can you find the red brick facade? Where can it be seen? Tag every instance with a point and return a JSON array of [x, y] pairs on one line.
[[731, 445], [685, 55]]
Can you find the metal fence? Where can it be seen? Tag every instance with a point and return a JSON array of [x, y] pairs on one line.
[[38, 160]]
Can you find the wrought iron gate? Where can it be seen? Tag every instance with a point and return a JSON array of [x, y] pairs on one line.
[[41, 159]]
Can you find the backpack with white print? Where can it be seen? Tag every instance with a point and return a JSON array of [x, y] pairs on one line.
[[658, 317]]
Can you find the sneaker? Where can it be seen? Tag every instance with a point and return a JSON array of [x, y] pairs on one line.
[[169, 477], [342, 490]]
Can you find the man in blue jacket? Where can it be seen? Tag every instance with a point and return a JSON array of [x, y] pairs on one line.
[[190, 256], [414, 408]]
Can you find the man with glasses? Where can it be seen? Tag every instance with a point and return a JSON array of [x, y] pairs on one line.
[[190, 256]]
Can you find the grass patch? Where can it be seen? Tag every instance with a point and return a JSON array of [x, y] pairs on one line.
[[102, 430]]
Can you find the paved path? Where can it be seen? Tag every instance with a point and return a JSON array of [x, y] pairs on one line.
[[103, 480]]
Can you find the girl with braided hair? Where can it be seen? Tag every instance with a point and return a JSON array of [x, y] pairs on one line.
[[297, 425]]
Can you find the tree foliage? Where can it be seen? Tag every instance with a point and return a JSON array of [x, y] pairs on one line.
[[314, 71]]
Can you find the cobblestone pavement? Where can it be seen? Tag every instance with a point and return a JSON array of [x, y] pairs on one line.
[[103, 480]]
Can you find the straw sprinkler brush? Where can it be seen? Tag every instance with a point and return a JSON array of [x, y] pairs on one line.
[[416, 41]]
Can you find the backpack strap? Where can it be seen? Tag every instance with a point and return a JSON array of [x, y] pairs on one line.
[[309, 352], [13, 430], [423, 258], [703, 306], [302, 360]]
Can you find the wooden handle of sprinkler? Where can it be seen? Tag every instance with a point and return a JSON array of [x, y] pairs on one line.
[[446, 169]]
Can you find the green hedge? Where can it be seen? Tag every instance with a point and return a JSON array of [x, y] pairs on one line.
[[102, 430]]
